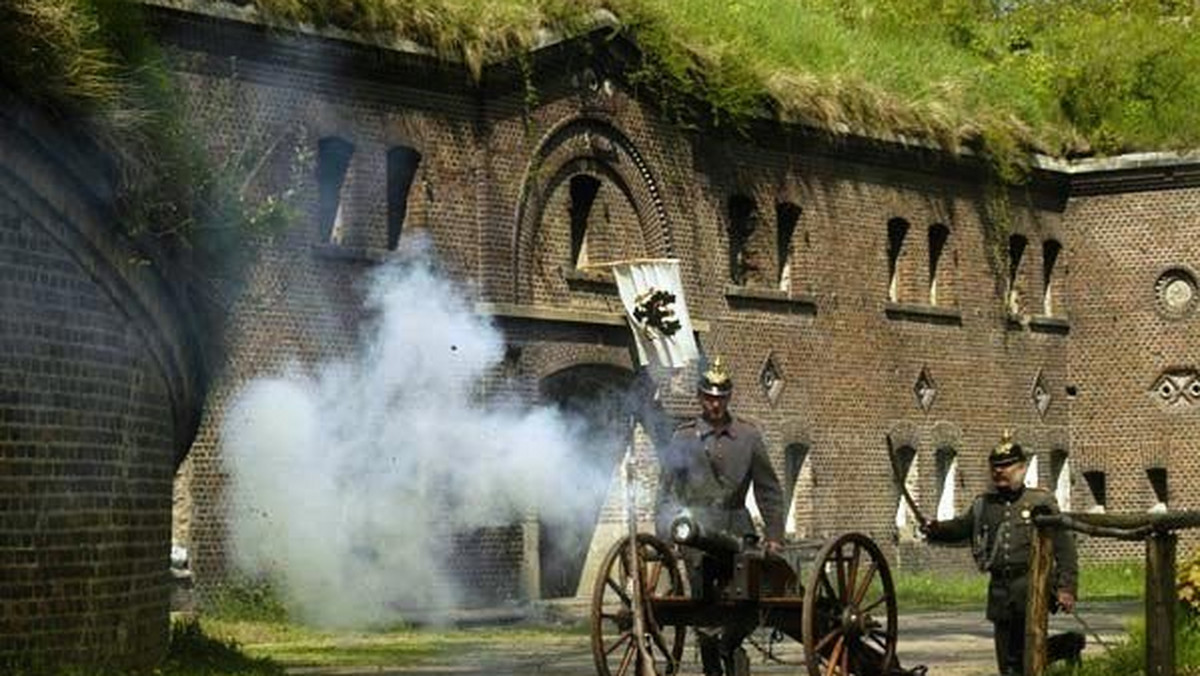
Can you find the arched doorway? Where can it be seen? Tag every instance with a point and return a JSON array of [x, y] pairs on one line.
[[597, 395]]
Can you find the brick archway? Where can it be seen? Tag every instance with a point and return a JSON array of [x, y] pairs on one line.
[[591, 145]]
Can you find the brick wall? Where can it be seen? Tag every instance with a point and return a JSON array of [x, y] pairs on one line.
[[1130, 341], [858, 352], [98, 395]]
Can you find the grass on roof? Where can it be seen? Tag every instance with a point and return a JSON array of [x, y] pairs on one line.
[[1004, 78], [1066, 78]]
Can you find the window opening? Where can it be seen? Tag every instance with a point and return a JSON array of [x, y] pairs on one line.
[[787, 215], [798, 487], [1016, 250], [897, 231], [1060, 468], [1050, 252], [402, 163], [1096, 483], [333, 163], [1031, 472], [905, 519], [742, 223], [938, 234], [947, 467], [1158, 482], [583, 196]]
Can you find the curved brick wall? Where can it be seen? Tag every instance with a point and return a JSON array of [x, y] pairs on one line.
[[98, 401]]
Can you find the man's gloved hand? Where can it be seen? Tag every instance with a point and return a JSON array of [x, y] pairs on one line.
[[927, 527]]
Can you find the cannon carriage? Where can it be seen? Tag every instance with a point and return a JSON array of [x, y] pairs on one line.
[[843, 611]]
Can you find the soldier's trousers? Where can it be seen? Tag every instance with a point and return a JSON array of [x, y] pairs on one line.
[[1009, 636]]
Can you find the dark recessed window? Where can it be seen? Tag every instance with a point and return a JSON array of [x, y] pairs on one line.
[[742, 223], [787, 215], [1050, 251], [897, 229], [333, 163], [402, 163], [938, 235], [583, 196]]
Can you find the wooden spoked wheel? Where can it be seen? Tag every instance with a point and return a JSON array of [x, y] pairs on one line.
[[849, 624], [614, 644]]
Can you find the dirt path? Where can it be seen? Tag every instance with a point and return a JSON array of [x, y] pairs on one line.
[[951, 643]]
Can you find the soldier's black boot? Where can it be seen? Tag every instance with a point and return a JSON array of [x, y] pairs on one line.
[[736, 662], [710, 654]]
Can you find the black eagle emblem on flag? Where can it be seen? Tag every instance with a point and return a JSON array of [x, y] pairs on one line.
[[654, 311]]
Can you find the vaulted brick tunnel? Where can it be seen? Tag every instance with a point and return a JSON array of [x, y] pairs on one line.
[[99, 398]]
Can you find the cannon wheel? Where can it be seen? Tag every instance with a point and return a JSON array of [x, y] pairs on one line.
[[849, 624], [613, 644]]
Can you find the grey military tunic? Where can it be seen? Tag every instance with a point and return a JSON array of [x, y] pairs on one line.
[[1003, 544], [710, 470]]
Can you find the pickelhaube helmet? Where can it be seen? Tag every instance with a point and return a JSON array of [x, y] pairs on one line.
[[1007, 452], [715, 380]]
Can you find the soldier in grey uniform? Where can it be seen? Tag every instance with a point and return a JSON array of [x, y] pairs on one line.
[[707, 469], [1000, 528]]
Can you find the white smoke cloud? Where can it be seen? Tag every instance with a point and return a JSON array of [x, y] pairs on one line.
[[351, 476]]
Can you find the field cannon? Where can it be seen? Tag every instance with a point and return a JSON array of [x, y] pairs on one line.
[[644, 599]]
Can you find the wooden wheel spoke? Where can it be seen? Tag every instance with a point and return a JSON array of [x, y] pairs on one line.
[[852, 575], [839, 560], [846, 662], [626, 659], [620, 591], [834, 656], [657, 637], [652, 583], [866, 583], [836, 633], [879, 637], [828, 586], [874, 604], [624, 637]]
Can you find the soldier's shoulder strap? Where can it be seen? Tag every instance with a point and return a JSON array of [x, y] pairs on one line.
[[748, 421], [685, 425], [1039, 496]]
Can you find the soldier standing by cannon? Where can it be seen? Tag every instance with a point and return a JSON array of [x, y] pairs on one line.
[[707, 469], [1000, 528]]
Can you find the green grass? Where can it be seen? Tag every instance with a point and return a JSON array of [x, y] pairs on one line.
[[1061, 78], [1118, 581], [1128, 658], [294, 645], [1064, 78]]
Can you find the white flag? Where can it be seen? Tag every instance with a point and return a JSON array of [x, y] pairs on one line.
[[652, 293]]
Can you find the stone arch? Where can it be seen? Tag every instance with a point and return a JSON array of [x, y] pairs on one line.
[[596, 146], [946, 438], [597, 395], [903, 440]]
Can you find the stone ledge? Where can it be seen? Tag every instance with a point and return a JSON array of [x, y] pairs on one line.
[[929, 314], [598, 281], [565, 315], [1038, 323], [769, 300], [358, 254], [1048, 324]]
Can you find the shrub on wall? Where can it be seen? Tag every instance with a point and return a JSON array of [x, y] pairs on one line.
[[1188, 584]]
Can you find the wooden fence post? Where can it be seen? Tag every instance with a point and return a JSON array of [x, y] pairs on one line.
[[1160, 604], [1037, 607]]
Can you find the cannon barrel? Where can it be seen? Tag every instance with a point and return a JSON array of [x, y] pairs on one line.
[[687, 530]]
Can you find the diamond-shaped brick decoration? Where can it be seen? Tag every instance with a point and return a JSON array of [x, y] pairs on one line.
[[770, 378], [1040, 394], [925, 389]]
